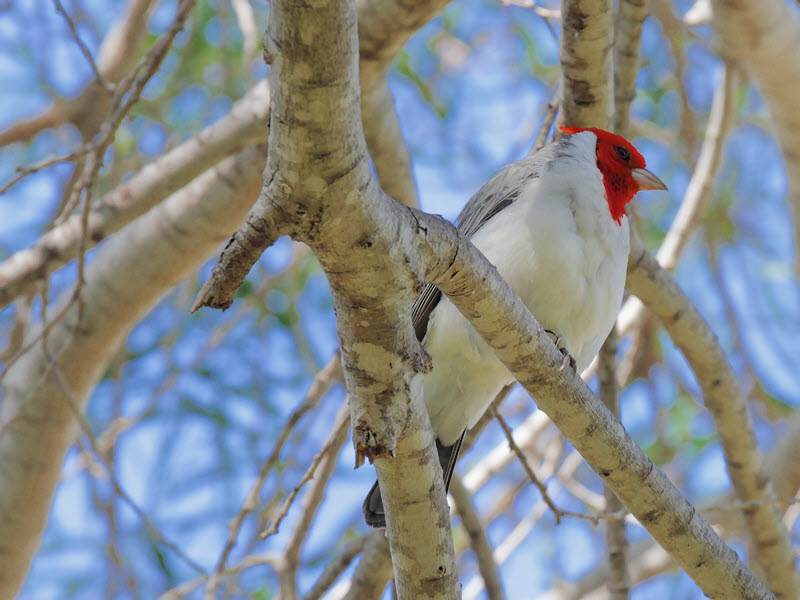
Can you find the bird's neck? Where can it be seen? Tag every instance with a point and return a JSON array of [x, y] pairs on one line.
[[619, 191]]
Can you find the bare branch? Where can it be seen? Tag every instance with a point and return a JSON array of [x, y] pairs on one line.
[[698, 195], [87, 111], [84, 50], [373, 571], [547, 121], [128, 276], [336, 567], [341, 426], [320, 470], [383, 29], [627, 39], [321, 384], [387, 150], [242, 126], [246, 19], [525, 465], [86, 429], [724, 399], [586, 43], [619, 585], [478, 539]]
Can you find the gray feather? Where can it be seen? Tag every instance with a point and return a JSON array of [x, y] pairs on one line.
[[498, 193], [501, 191]]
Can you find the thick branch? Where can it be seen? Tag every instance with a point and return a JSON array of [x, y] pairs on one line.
[[723, 397], [383, 29], [586, 42], [499, 316]]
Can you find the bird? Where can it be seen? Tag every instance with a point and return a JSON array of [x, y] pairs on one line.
[[554, 224]]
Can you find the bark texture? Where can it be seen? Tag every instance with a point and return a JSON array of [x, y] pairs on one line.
[[586, 53]]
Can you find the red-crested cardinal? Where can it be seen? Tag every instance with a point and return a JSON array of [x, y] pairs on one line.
[[554, 225]]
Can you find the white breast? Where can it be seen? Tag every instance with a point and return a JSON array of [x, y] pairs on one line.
[[561, 251]]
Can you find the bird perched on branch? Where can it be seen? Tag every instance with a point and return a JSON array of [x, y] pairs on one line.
[[554, 225]]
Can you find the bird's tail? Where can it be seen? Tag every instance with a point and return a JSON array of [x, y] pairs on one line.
[[372, 508]]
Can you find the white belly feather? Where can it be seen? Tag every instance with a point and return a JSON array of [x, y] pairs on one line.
[[566, 258]]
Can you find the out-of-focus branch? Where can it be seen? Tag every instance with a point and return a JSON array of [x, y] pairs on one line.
[[627, 39], [478, 538], [246, 19], [586, 43], [698, 195], [646, 561], [337, 566], [319, 472], [321, 384], [701, 185], [126, 278], [374, 570], [619, 585], [723, 397], [242, 126], [764, 37], [677, 36], [384, 27], [84, 50], [547, 121], [387, 150], [91, 107]]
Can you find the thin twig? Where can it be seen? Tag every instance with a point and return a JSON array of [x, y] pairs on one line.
[[86, 429], [342, 424], [311, 502], [557, 512], [23, 172], [97, 75], [320, 385], [547, 122]]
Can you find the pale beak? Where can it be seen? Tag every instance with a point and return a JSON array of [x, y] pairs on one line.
[[646, 180]]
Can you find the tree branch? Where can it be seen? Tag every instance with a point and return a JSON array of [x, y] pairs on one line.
[[127, 277], [478, 539], [627, 39], [724, 400], [242, 126], [586, 43], [90, 108], [765, 38]]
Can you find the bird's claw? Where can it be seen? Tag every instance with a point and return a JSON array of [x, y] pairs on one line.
[[568, 360]]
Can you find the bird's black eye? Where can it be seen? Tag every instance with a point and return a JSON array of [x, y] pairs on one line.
[[623, 153]]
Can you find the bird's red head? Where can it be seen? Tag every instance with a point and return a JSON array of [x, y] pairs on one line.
[[623, 170]]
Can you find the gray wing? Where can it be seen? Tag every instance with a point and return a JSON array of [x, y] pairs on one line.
[[498, 193]]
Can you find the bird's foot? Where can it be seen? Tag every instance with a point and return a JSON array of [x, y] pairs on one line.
[[568, 360]]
